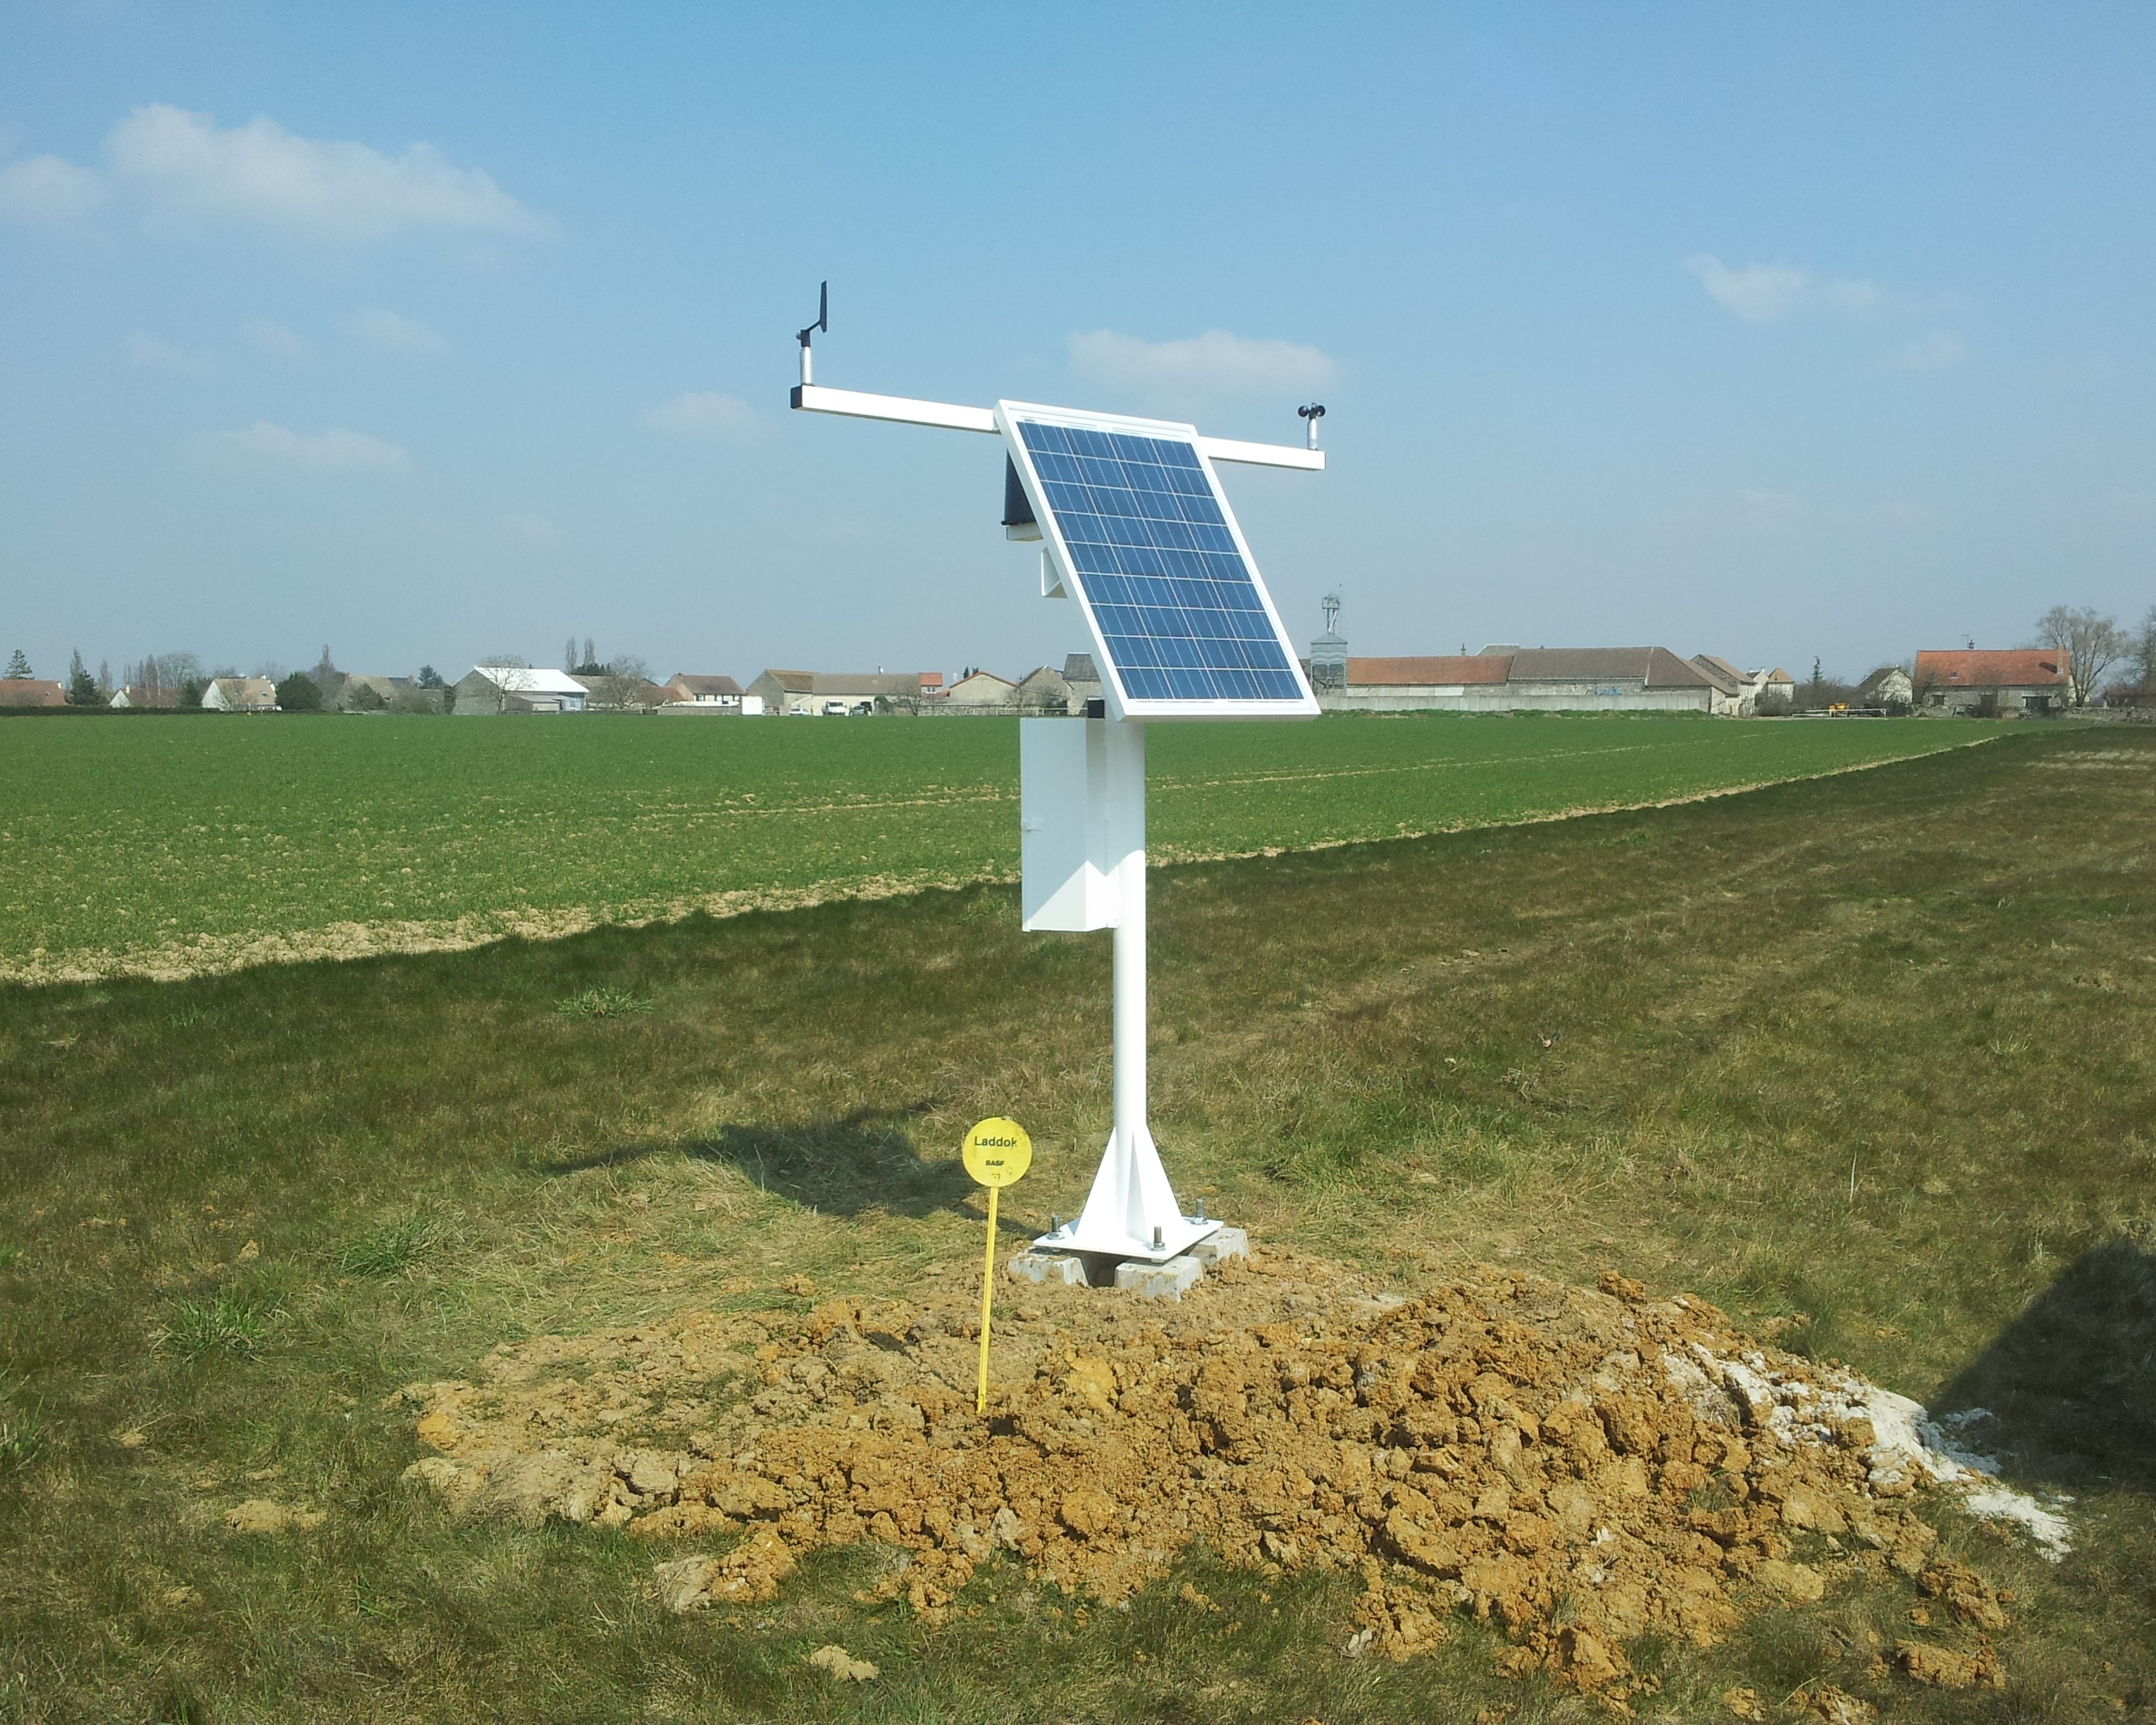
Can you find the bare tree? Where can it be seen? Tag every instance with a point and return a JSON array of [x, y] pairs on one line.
[[326, 677], [620, 686], [513, 677], [2091, 643]]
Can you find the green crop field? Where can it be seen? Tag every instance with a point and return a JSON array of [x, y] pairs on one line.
[[1867, 1061], [173, 846]]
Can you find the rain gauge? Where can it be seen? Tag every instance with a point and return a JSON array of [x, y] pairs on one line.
[[1133, 528]]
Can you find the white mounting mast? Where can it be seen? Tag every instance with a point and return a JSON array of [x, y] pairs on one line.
[[1082, 821]]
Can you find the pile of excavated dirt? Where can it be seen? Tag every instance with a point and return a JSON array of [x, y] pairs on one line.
[[1496, 1446]]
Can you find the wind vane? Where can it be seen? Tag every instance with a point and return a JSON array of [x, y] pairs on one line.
[[1134, 527]]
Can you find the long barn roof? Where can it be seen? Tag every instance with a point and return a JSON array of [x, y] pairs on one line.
[[1655, 667], [1426, 672]]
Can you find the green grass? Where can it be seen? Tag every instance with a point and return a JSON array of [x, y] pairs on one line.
[[22, 1435], [396, 1248], [1652, 1041], [173, 846], [225, 1322], [603, 1003]]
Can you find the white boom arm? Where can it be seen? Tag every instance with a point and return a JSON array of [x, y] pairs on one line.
[[950, 416]]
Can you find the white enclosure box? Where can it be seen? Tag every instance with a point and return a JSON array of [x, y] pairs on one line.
[[1081, 812], [752, 704]]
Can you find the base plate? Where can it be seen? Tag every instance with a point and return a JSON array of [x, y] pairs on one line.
[[1176, 1238]]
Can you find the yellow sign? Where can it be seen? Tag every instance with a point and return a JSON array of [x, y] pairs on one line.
[[997, 1155]]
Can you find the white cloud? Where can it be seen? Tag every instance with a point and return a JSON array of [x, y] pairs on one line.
[[162, 356], [274, 338], [180, 168], [707, 415], [1934, 351], [1760, 293], [266, 445], [1213, 364], [386, 332], [47, 189]]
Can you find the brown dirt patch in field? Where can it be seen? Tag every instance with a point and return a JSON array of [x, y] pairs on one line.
[[1580, 1465], [219, 955]]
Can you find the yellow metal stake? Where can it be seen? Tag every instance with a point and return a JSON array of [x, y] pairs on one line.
[[997, 1155], [988, 1290]]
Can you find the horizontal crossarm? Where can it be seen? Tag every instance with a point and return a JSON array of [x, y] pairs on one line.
[[951, 416]]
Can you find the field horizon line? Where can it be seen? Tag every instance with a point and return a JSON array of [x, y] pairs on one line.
[[343, 940]]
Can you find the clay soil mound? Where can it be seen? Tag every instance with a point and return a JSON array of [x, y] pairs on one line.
[[1492, 1447]]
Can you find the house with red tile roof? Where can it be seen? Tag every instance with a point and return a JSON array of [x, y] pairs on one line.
[[2006, 683]]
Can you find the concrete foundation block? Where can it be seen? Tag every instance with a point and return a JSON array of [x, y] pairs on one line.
[[1217, 1248], [1159, 1281], [1066, 1268]]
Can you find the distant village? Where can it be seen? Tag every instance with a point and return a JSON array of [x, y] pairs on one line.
[[1965, 682]]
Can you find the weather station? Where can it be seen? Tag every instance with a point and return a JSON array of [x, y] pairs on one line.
[[1133, 528]]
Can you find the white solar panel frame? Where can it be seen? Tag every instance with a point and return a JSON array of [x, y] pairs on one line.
[[1119, 706]]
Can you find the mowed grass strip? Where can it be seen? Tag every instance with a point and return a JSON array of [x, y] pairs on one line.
[[1659, 1042], [175, 846]]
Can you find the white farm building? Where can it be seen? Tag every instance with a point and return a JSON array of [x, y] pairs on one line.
[[517, 689]]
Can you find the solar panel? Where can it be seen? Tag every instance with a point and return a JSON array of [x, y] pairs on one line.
[[1136, 517]]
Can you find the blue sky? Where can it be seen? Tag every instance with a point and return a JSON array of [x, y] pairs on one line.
[[438, 332]]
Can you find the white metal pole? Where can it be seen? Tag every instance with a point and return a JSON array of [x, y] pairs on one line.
[[1130, 967]]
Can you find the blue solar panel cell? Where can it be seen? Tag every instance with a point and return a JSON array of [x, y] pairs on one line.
[[1178, 607]]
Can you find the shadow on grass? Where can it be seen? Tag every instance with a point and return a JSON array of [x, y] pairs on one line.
[[2070, 1384], [859, 1162]]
